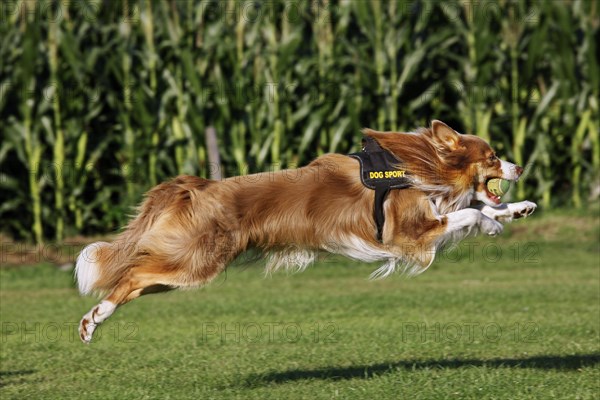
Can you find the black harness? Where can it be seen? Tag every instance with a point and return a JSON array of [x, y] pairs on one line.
[[379, 171]]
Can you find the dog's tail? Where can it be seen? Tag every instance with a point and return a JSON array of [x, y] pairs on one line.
[[100, 266]]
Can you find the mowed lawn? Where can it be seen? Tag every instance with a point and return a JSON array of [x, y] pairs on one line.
[[511, 317]]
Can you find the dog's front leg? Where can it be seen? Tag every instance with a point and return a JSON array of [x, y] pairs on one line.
[[468, 219], [508, 211]]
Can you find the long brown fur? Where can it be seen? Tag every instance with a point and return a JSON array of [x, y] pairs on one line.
[[187, 230]]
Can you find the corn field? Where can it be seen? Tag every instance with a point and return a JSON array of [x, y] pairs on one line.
[[100, 100]]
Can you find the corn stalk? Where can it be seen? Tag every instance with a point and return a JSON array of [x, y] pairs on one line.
[[59, 138], [142, 81]]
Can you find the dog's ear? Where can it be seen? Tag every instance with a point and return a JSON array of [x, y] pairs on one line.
[[444, 135]]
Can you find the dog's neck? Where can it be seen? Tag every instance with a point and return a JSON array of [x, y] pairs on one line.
[[446, 203]]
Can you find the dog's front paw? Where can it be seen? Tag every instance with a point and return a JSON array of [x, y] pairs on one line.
[[522, 209], [491, 227]]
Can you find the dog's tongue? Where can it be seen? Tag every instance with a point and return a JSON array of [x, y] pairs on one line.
[[496, 199]]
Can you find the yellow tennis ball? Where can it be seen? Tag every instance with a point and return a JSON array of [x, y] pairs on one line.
[[498, 186]]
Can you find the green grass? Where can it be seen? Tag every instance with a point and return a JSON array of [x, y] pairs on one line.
[[525, 326]]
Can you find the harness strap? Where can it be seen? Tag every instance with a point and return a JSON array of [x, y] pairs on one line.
[[381, 192], [379, 171]]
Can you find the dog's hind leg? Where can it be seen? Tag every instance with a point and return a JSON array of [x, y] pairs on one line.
[[138, 281], [150, 277], [166, 259]]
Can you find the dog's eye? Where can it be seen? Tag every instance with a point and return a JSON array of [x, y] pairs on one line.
[[492, 157]]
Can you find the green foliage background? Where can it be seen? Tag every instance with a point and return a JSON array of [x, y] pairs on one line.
[[100, 100]]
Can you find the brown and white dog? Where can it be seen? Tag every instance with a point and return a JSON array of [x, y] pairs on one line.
[[187, 230]]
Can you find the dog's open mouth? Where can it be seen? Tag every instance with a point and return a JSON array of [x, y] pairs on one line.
[[490, 195]]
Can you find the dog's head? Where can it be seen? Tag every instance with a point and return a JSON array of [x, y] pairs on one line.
[[473, 161], [443, 161]]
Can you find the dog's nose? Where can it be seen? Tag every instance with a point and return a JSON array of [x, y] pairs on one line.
[[519, 170]]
